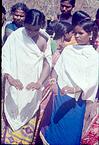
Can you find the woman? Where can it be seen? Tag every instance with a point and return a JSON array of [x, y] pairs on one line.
[[26, 62], [18, 12], [76, 87]]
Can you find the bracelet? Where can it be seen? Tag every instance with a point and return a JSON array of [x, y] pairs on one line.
[[52, 81]]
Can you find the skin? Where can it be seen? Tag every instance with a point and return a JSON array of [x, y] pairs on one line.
[[68, 36], [81, 36], [3, 18], [33, 33], [19, 17], [97, 41], [65, 7], [60, 46]]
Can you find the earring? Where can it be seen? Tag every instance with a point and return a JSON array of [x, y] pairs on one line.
[[90, 37]]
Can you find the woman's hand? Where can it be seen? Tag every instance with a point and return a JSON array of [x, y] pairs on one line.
[[67, 89], [91, 109], [15, 82], [32, 86]]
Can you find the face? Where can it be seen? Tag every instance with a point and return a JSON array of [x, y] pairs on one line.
[[68, 36], [3, 18], [65, 7], [60, 43], [81, 36], [32, 31], [19, 16]]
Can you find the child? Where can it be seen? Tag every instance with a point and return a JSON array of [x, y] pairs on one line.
[[63, 34], [75, 69], [26, 62]]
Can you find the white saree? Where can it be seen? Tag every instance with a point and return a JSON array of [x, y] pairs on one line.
[[79, 66], [23, 60]]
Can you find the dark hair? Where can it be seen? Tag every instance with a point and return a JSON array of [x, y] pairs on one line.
[[3, 10], [34, 17], [79, 16], [97, 14], [72, 2], [50, 26], [43, 22], [61, 28], [21, 6], [90, 27]]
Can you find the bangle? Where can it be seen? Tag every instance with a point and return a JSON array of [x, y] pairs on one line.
[[52, 81]]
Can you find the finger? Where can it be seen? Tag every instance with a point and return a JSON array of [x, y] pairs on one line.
[[19, 83], [63, 91], [28, 87], [17, 87], [33, 89], [20, 86]]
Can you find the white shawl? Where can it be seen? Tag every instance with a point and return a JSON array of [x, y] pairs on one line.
[[23, 60], [78, 66]]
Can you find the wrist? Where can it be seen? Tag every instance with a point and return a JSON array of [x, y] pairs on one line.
[[39, 83], [77, 90], [52, 81], [7, 76]]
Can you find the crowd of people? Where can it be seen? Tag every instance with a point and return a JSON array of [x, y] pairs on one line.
[[50, 75]]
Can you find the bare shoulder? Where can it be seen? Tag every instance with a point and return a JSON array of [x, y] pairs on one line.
[[42, 43], [43, 36]]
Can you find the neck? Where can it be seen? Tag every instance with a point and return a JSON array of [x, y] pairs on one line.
[[18, 25], [35, 38], [65, 16]]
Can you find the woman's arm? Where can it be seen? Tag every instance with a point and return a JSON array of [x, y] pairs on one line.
[[44, 74], [71, 90], [14, 82], [7, 33]]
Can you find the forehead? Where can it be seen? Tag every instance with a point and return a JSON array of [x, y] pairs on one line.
[[78, 28], [19, 11], [66, 3], [29, 26]]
